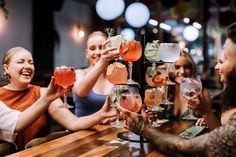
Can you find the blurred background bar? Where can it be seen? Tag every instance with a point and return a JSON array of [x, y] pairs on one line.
[[55, 31]]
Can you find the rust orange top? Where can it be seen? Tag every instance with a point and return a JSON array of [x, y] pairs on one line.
[[21, 100]]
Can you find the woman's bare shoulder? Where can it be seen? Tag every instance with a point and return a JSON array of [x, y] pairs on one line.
[[81, 72]]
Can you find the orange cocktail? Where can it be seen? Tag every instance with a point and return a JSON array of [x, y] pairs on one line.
[[131, 50]]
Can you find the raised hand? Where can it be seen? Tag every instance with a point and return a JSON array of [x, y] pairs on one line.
[[200, 104], [108, 110], [53, 91], [108, 54]]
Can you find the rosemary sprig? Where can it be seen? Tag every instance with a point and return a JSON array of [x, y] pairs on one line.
[[109, 31]]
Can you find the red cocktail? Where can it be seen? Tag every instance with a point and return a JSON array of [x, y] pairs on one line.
[[64, 76]]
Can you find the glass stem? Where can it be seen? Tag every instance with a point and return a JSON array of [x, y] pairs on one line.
[[65, 97], [118, 117], [190, 111], [130, 70]]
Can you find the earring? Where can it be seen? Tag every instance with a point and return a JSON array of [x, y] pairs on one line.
[[6, 76]]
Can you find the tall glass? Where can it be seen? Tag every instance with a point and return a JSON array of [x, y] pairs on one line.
[[114, 98], [169, 53], [191, 88], [131, 51], [65, 77]]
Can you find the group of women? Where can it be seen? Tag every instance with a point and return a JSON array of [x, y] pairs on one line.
[[22, 100]]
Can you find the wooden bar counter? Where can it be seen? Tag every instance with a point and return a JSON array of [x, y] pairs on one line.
[[101, 140]]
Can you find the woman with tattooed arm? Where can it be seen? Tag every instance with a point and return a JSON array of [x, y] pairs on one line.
[[221, 141]]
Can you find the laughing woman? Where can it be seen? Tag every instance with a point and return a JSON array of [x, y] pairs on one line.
[[19, 94]]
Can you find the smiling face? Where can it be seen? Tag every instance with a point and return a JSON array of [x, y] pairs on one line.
[[94, 47], [184, 67], [227, 62], [18, 65]]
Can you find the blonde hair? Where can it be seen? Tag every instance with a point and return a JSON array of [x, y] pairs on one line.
[[8, 56], [190, 61], [95, 33]]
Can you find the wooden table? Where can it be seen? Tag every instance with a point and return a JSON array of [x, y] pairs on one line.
[[100, 141]]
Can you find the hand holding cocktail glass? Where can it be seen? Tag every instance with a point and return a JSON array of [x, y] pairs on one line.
[[191, 88], [132, 101], [114, 98], [65, 77]]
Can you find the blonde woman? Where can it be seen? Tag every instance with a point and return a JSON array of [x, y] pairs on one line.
[[20, 94]]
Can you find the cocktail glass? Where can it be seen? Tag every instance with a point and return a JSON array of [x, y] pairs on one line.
[[65, 77], [115, 42], [152, 51], [131, 101], [169, 53], [131, 51], [114, 98], [191, 88], [152, 99]]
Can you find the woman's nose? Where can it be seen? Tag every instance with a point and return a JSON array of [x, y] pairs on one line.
[[27, 64], [97, 51], [217, 66], [181, 70]]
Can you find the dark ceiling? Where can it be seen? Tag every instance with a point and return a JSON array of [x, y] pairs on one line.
[[197, 10]]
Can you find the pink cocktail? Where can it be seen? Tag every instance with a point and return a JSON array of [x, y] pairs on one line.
[[65, 76], [131, 101]]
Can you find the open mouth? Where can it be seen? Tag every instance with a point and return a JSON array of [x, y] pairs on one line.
[[26, 73]]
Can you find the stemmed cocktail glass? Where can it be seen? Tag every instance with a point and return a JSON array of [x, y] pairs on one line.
[[65, 77], [131, 51], [169, 53], [114, 98], [190, 88], [131, 101]]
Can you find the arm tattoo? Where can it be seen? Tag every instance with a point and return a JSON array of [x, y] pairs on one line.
[[177, 146], [169, 144]]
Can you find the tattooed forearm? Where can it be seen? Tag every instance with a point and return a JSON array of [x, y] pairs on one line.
[[167, 143], [176, 146]]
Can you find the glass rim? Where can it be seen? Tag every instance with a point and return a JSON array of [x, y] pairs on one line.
[[169, 44], [64, 67]]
